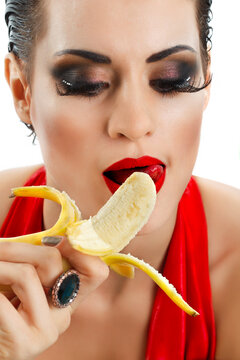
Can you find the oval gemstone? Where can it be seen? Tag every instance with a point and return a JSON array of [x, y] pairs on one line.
[[68, 289]]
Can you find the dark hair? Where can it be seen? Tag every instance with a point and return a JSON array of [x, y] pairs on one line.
[[204, 17], [25, 21]]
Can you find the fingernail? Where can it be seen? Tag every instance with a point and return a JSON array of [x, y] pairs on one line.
[[52, 240]]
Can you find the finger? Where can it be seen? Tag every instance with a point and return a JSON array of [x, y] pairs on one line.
[[26, 285], [93, 271], [46, 260], [17, 337], [10, 321], [91, 267]]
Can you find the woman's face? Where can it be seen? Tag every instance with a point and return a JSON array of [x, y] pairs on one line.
[[130, 115]]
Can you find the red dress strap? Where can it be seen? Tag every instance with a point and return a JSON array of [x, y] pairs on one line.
[[26, 214], [174, 335]]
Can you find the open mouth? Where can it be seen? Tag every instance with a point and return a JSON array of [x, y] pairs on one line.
[[117, 173]]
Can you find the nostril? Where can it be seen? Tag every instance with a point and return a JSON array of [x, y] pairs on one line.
[[132, 123]]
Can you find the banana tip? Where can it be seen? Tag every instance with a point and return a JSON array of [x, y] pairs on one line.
[[11, 195], [195, 314]]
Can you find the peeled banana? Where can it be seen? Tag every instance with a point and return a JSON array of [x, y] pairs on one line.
[[109, 231]]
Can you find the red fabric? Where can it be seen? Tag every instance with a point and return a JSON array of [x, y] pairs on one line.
[[26, 214], [173, 335]]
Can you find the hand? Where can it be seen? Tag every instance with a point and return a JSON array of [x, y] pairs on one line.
[[29, 324]]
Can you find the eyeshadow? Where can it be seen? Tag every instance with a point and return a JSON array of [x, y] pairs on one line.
[[175, 69], [78, 72], [60, 71]]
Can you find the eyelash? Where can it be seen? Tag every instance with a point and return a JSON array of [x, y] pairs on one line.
[[165, 87], [178, 86], [82, 88]]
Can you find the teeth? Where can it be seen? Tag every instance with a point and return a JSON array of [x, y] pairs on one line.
[[109, 231]]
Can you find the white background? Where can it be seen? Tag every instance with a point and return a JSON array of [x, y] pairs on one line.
[[219, 154]]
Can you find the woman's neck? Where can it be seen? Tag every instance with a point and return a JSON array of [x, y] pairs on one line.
[[152, 246]]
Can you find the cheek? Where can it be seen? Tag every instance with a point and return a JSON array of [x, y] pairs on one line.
[[62, 127], [187, 134], [186, 129], [180, 138]]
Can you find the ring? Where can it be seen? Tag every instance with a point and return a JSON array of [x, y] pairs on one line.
[[65, 289]]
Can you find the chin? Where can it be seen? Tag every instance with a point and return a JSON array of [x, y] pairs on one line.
[[154, 224], [162, 218], [146, 230]]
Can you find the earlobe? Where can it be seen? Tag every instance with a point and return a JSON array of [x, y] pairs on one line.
[[19, 86]]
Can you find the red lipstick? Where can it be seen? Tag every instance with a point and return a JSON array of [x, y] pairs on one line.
[[118, 172]]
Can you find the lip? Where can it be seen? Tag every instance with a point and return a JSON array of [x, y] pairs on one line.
[[131, 163]]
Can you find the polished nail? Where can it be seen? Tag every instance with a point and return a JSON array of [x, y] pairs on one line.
[[52, 240]]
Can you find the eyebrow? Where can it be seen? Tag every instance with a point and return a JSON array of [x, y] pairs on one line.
[[90, 55], [103, 59], [165, 53]]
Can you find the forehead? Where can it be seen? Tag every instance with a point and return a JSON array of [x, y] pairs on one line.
[[121, 26]]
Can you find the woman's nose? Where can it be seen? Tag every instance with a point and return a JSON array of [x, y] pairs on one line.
[[130, 118]]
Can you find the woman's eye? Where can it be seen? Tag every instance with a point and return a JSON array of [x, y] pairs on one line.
[[80, 87], [166, 86], [177, 77]]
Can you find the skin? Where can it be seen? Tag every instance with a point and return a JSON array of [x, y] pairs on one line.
[[79, 139], [130, 118]]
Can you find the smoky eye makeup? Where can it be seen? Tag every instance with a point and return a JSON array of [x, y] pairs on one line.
[[178, 70], [176, 76], [77, 80]]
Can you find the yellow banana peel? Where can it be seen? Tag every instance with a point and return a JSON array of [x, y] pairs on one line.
[[68, 216], [109, 231], [160, 280]]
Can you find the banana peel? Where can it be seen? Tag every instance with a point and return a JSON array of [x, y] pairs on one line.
[[109, 231], [160, 280], [69, 214]]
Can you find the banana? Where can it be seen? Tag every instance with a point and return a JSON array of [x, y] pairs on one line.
[[159, 279], [69, 212], [109, 231], [118, 221]]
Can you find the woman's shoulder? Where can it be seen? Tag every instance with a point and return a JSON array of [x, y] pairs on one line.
[[9, 179], [222, 209]]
